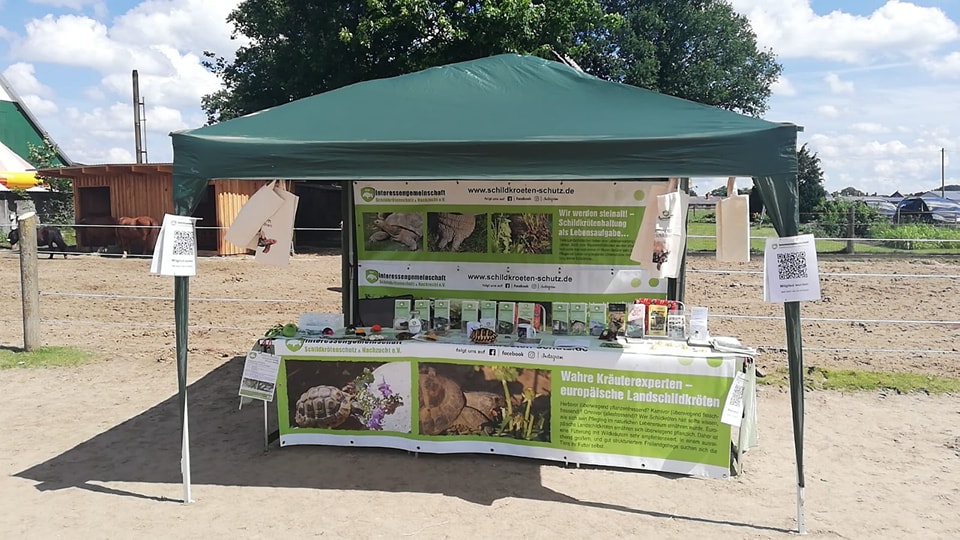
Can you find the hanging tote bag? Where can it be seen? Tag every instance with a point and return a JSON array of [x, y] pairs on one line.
[[245, 229], [733, 225], [642, 252], [670, 237]]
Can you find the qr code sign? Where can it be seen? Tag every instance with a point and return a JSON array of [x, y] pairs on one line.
[[736, 396], [792, 265], [183, 243]]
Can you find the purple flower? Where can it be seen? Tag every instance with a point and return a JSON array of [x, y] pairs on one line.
[[376, 419], [385, 389]]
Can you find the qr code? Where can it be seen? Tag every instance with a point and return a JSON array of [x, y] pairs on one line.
[[792, 265], [736, 396], [183, 242]]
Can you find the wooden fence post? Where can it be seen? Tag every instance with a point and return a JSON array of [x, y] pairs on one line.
[[851, 228], [29, 286]]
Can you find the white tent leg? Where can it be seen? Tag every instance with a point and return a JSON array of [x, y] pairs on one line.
[[185, 457], [801, 527]]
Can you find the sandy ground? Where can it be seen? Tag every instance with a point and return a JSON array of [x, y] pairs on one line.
[[93, 452]]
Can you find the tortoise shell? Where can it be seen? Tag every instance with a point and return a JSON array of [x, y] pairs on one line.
[[483, 336], [322, 407], [441, 401]]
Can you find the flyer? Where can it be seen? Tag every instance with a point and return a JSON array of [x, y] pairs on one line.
[[790, 272], [175, 253], [259, 375]]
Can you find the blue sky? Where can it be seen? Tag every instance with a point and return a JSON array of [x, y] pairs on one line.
[[875, 84]]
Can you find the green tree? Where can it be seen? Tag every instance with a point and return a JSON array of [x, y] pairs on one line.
[[833, 218], [695, 49], [851, 192], [718, 193], [58, 207], [699, 50], [300, 48], [810, 184]]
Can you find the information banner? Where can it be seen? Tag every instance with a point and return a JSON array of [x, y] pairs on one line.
[[535, 241], [605, 407]]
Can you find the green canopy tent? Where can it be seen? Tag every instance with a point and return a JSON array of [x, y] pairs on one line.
[[502, 118]]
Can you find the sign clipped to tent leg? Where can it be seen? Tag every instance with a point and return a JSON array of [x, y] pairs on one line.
[[790, 272], [176, 251]]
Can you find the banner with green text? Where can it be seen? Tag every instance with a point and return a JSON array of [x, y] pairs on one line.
[[605, 407], [544, 242]]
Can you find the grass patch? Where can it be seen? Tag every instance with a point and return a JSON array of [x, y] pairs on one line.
[[44, 357], [817, 378]]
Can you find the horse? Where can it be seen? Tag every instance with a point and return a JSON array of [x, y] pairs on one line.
[[137, 234], [46, 236], [97, 231]]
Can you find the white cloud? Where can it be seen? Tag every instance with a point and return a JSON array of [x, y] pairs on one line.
[[21, 76], [162, 39], [783, 87], [828, 111], [838, 86], [875, 164], [871, 128], [83, 42], [948, 66], [792, 29]]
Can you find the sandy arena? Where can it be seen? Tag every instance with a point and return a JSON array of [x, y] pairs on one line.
[[94, 451]]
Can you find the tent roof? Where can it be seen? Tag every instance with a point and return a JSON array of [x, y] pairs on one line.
[[504, 117]]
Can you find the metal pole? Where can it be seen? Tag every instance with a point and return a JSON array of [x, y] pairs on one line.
[[136, 117], [942, 170], [29, 286]]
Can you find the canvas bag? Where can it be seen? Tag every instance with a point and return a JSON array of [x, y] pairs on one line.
[[670, 238], [733, 225], [245, 229], [662, 236], [275, 237], [643, 246]]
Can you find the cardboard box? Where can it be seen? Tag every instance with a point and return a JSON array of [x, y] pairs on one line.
[[422, 307], [401, 313], [597, 318], [469, 312], [617, 318], [578, 318], [656, 320], [506, 317], [488, 309], [441, 315], [560, 313], [526, 313], [636, 321]]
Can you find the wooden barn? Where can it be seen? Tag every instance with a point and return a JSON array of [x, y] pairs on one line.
[[146, 189]]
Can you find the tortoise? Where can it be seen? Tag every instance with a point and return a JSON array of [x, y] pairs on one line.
[[454, 229], [483, 336], [323, 407], [441, 401], [446, 408], [406, 229]]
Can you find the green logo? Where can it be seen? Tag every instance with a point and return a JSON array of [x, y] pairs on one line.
[[373, 276], [368, 194], [294, 344]]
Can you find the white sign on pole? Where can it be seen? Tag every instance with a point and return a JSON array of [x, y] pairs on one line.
[[790, 272], [176, 251]]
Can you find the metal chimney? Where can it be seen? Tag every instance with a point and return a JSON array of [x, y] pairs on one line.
[[139, 121]]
